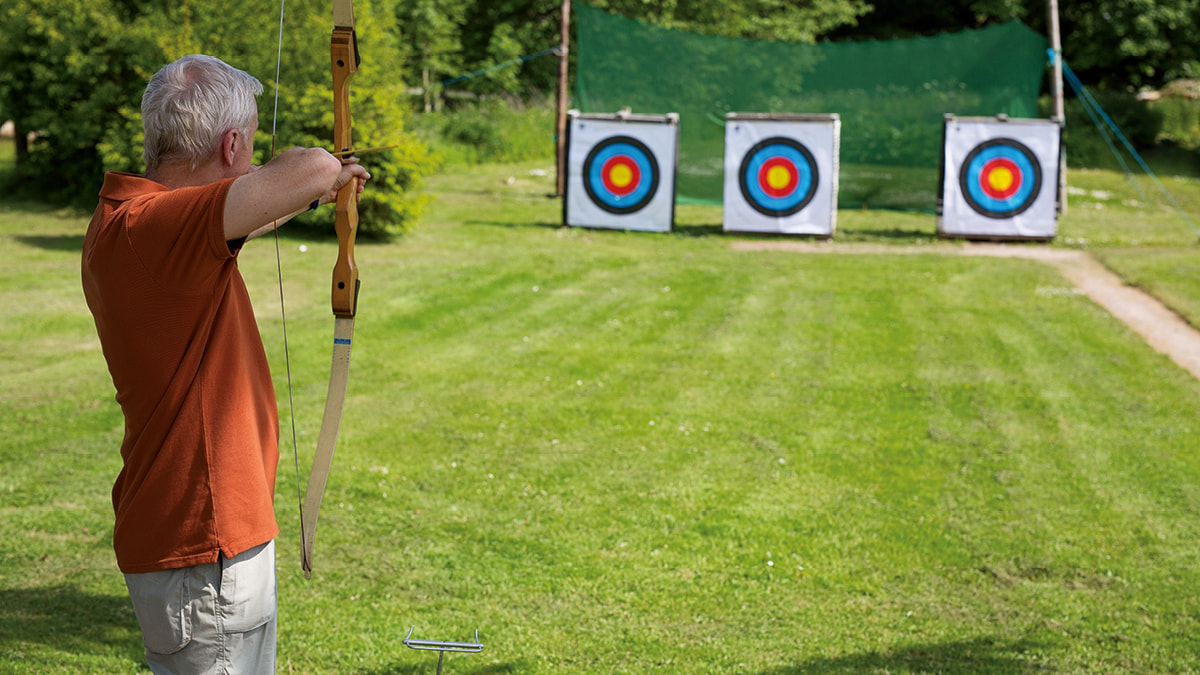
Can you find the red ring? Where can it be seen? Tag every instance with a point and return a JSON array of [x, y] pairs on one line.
[[793, 177], [634, 173], [1000, 163]]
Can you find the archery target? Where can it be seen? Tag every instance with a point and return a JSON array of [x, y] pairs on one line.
[[621, 172], [1000, 178], [621, 175], [781, 173], [778, 177]]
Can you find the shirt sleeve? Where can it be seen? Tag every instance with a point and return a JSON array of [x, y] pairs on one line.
[[179, 235]]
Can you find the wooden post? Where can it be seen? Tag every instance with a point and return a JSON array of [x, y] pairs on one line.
[[560, 134], [1056, 83]]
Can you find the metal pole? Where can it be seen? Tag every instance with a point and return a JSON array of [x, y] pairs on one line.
[[560, 134], [1059, 108]]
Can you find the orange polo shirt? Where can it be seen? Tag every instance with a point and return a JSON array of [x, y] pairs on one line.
[[178, 332]]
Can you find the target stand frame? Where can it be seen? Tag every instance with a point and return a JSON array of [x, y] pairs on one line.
[[801, 151], [441, 647], [968, 208], [623, 175]]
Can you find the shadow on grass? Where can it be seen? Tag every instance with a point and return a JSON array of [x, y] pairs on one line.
[[65, 619], [708, 230], [892, 234], [59, 242], [510, 224], [677, 230], [699, 230], [493, 193], [971, 657]]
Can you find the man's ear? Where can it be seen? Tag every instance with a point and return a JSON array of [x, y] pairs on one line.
[[230, 140]]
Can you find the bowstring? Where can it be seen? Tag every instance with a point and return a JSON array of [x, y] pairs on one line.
[[287, 359]]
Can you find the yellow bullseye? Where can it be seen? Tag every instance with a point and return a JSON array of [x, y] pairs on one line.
[[1000, 179], [778, 177], [621, 175]]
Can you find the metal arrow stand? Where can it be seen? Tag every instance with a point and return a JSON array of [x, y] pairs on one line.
[[442, 647]]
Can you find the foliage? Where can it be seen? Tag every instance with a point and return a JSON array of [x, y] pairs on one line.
[[1132, 43], [752, 19], [892, 20], [534, 25], [1171, 120], [1084, 142], [81, 67], [490, 130], [431, 33], [391, 205], [71, 68], [1116, 43], [305, 102], [1168, 128], [1119, 44], [1180, 121]]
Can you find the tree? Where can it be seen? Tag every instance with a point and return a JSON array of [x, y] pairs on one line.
[[781, 20], [495, 32], [71, 67], [379, 105], [889, 21], [430, 30], [1129, 44], [1118, 45]]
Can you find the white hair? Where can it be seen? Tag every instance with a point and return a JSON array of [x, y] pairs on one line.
[[190, 103]]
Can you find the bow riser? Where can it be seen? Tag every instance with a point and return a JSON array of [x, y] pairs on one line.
[[344, 59]]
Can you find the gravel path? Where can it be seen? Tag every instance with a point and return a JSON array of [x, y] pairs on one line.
[[1160, 327]]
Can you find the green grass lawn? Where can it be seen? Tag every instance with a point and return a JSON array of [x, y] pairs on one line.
[[1139, 234], [628, 453]]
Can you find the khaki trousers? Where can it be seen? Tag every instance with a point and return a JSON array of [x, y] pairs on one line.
[[218, 618]]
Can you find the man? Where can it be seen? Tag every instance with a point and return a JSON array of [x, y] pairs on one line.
[[195, 524]]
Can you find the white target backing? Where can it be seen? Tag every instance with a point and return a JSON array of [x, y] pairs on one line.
[[621, 171], [999, 178], [781, 173]]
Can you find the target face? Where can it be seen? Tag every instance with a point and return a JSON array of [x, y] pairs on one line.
[[620, 175], [778, 177], [1000, 178]]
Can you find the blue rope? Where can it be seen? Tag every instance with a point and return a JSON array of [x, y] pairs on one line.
[[506, 64], [1089, 108], [1086, 97]]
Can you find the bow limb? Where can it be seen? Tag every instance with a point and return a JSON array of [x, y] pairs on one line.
[[344, 298]]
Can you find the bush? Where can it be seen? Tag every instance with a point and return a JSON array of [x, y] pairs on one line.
[[391, 205], [1084, 142], [489, 130], [1180, 121]]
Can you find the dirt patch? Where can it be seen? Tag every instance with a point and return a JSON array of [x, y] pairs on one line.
[[1159, 326]]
